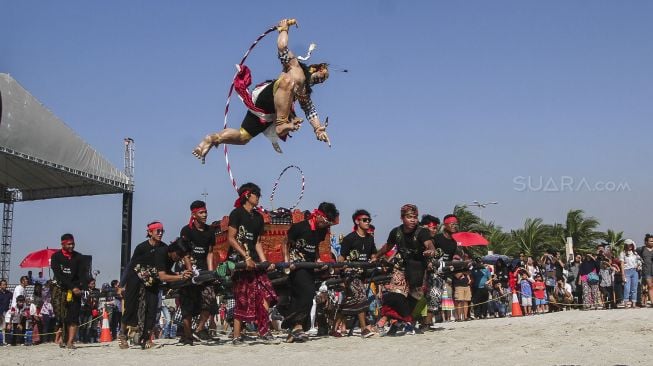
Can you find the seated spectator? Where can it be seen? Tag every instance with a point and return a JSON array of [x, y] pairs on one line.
[[499, 302], [561, 297]]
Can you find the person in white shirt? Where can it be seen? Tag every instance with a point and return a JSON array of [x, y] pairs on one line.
[[19, 290], [630, 261]]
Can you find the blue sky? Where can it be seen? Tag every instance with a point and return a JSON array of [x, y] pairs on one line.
[[445, 103]]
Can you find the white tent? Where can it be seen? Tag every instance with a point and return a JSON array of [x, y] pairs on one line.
[[42, 157]]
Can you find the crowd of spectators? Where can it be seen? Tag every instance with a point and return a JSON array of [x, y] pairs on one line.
[[608, 278]]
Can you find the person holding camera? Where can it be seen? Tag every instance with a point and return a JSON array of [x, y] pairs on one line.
[[588, 279], [561, 297], [630, 262]]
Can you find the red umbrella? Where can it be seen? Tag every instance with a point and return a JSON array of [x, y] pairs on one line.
[[466, 239], [38, 259]]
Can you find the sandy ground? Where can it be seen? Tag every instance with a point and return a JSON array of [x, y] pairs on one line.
[[604, 337]]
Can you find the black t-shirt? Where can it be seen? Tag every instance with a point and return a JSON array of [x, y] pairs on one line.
[[462, 281], [67, 272], [448, 245], [249, 226], [559, 269], [412, 245], [201, 243], [162, 260], [144, 254], [364, 246], [306, 242]]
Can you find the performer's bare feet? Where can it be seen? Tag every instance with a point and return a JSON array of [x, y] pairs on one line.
[[203, 148]]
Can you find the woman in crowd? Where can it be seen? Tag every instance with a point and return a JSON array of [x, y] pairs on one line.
[[629, 263], [588, 278]]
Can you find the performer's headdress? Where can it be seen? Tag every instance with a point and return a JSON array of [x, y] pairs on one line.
[[409, 209]]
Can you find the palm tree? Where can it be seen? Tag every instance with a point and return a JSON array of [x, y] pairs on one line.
[[582, 229], [500, 241], [466, 218], [615, 240], [532, 238], [556, 239]]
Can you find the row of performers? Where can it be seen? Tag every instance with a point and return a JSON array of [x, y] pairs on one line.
[[408, 275]]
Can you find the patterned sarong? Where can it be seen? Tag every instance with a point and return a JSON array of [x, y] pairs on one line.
[[59, 304], [251, 290], [355, 300]]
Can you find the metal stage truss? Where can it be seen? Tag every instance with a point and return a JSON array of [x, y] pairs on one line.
[[41, 157]]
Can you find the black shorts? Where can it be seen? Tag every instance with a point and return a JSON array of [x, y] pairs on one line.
[[73, 309], [197, 298], [190, 298], [265, 100]]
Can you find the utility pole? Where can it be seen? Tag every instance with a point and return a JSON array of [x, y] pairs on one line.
[[481, 206]]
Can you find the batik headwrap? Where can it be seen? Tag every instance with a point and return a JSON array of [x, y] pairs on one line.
[[409, 209]]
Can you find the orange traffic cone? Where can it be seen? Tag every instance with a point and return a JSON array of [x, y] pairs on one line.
[[516, 308], [105, 334]]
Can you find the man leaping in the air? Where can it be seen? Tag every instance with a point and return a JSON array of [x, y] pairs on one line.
[[271, 103]]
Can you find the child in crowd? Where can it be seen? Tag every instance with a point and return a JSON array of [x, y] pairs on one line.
[[539, 291], [462, 295], [526, 292], [606, 273], [499, 299], [448, 306], [18, 316]]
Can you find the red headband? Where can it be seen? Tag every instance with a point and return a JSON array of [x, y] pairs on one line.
[[195, 210], [238, 203], [315, 213], [154, 226], [358, 218], [66, 253], [432, 224], [451, 220]]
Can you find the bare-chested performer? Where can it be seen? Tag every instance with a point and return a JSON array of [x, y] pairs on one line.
[[272, 102]]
